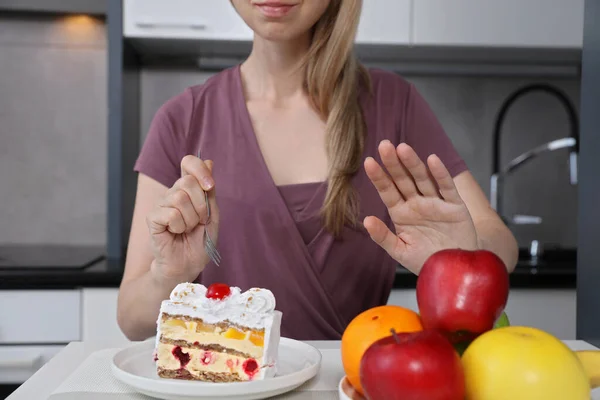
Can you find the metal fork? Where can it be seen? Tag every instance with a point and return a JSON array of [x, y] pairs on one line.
[[209, 246]]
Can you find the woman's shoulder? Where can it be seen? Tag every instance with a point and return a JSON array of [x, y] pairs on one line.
[[388, 82], [216, 91], [389, 90], [177, 125]]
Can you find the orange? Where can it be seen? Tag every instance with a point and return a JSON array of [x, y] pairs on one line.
[[368, 327]]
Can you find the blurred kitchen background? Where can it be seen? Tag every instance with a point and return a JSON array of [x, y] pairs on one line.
[[65, 161], [54, 126]]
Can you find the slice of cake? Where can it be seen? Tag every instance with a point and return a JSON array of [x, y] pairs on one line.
[[219, 334]]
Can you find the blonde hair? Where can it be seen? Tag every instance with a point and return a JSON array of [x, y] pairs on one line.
[[333, 78]]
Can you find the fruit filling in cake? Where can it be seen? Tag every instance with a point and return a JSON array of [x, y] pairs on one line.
[[217, 334]]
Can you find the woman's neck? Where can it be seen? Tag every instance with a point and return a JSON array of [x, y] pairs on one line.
[[272, 71]]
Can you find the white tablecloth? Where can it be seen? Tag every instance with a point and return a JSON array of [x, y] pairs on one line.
[[79, 372], [94, 380]]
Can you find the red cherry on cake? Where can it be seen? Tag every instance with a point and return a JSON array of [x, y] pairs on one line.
[[218, 291]]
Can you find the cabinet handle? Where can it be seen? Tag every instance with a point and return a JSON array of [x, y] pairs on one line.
[[165, 24], [21, 362]]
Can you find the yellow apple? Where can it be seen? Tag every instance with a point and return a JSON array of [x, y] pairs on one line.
[[523, 363]]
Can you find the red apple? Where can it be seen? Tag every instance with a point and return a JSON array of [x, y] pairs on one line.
[[412, 366], [462, 292]]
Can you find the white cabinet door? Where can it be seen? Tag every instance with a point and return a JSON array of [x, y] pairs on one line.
[[40, 316], [19, 363], [513, 23], [100, 317], [183, 19], [552, 310], [385, 22]]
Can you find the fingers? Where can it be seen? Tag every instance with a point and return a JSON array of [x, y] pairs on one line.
[[383, 183], [410, 175], [192, 165], [444, 180], [179, 200], [163, 219], [399, 174], [381, 235], [417, 169], [190, 185], [192, 168], [184, 206]]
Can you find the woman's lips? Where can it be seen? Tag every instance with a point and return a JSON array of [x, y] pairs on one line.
[[275, 10]]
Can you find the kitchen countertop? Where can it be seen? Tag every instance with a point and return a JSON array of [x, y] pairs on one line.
[[46, 380], [549, 275], [103, 273], [556, 271]]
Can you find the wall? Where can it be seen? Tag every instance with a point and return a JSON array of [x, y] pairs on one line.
[[53, 134], [467, 109], [52, 131]]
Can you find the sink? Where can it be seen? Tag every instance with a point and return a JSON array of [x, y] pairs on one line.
[[550, 261], [550, 255]]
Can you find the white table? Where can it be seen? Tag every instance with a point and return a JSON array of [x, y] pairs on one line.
[[49, 377]]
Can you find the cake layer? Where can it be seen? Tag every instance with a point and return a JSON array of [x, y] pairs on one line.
[[202, 376], [226, 327], [180, 328], [197, 364], [208, 347]]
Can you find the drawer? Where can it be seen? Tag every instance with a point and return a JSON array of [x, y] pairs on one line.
[[39, 316], [183, 19], [19, 363]]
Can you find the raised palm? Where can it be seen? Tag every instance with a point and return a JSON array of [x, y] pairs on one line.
[[424, 205]]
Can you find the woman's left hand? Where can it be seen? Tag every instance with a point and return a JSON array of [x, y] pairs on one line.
[[427, 211]]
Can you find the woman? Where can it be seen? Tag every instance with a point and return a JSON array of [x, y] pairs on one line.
[[299, 203]]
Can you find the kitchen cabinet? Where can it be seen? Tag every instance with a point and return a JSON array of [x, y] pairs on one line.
[[19, 363], [382, 21], [40, 317], [183, 19], [552, 310], [484, 24], [100, 316], [385, 22], [34, 326], [506, 23]]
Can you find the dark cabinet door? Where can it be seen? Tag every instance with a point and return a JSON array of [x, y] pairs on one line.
[[588, 257]]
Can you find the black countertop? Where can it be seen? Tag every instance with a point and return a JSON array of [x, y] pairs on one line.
[[523, 277], [56, 267], [102, 274], [553, 271]]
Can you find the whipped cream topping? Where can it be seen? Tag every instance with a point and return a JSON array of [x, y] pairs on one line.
[[253, 308]]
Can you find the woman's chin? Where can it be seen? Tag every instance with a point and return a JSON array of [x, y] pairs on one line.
[[277, 33]]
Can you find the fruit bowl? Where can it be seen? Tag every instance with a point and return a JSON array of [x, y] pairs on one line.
[[347, 392]]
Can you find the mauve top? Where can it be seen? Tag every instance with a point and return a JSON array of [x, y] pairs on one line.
[[271, 236]]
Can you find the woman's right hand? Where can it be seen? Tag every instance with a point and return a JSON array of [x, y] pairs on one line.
[[177, 223]]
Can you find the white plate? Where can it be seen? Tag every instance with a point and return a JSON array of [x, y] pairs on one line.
[[347, 392], [298, 363]]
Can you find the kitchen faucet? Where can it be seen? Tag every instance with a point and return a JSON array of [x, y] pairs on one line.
[[500, 173]]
